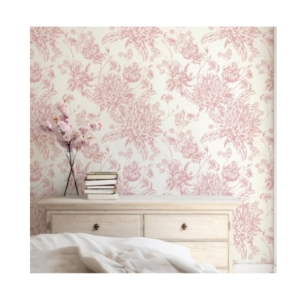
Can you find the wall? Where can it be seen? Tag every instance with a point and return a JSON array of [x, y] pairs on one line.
[[184, 111], [275, 150]]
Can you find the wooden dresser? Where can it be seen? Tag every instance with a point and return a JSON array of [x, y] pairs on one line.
[[202, 223]]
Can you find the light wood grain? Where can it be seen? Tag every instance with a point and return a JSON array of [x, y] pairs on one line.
[[215, 253], [230, 235], [109, 225], [211, 227], [208, 235], [136, 202]]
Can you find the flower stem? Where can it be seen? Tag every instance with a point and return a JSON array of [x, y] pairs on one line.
[[71, 170]]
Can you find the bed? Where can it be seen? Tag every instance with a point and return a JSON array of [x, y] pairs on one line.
[[86, 253], [135, 234]]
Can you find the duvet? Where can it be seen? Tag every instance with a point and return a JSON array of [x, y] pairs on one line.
[[86, 253]]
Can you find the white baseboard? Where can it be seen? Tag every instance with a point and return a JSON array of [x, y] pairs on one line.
[[253, 268], [274, 269]]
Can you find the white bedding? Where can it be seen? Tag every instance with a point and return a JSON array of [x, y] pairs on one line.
[[85, 253]]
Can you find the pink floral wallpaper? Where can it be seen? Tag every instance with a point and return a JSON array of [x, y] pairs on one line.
[[184, 111]]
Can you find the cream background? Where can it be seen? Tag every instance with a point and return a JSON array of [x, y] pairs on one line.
[[50, 83]]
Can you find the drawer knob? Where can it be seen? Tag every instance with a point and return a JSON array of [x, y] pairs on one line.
[[183, 226], [96, 226]]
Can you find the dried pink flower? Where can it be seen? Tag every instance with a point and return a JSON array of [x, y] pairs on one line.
[[66, 135]]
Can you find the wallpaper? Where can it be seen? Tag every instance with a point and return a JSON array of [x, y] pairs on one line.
[[184, 111]]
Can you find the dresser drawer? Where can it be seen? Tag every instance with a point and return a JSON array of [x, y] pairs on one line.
[[198, 227], [215, 253], [109, 225]]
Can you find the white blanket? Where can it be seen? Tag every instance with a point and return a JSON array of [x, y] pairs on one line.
[[85, 253]]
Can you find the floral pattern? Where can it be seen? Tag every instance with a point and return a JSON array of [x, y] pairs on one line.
[[186, 111]]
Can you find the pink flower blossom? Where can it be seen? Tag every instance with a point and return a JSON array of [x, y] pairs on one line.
[[96, 126], [132, 172], [35, 72], [231, 73], [246, 226], [179, 79], [137, 129], [179, 178], [64, 109], [211, 185], [139, 37], [49, 125], [93, 152], [111, 92], [80, 143], [85, 130], [132, 73], [231, 172], [90, 50], [189, 50], [190, 150], [167, 97], [35, 172], [80, 79], [44, 38], [239, 37], [68, 137], [211, 93], [238, 123]]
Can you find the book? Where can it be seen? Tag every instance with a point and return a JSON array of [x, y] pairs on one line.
[[100, 182], [98, 191], [102, 197], [102, 175], [92, 187]]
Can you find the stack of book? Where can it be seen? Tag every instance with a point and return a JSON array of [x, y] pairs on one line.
[[101, 186]]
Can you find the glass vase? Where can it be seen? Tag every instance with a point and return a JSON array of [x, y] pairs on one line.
[[71, 158]]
